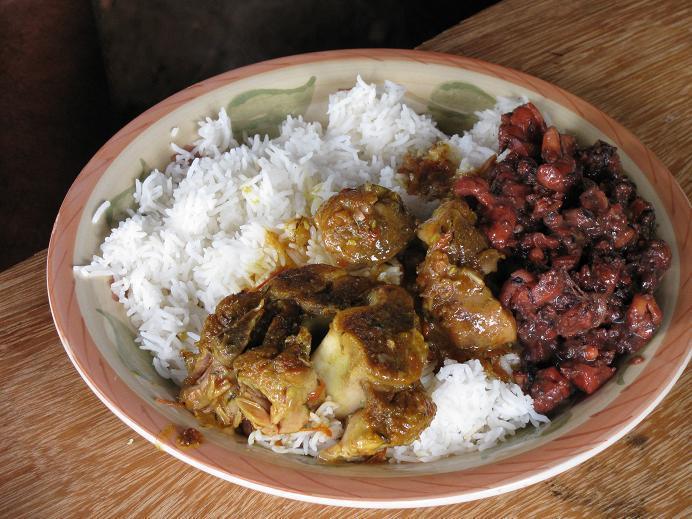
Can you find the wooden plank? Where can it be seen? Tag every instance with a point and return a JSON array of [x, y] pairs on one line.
[[64, 454]]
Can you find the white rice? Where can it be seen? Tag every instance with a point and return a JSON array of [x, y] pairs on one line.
[[474, 412], [323, 430], [199, 228], [100, 210]]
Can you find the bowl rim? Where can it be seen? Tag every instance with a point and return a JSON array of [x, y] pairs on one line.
[[596, 434]]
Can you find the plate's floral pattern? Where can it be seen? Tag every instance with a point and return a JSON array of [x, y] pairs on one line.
[[452, 105], [136, 360], [124, 200], [262, 110]]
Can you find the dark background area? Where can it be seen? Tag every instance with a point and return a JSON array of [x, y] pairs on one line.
[[73, 71]]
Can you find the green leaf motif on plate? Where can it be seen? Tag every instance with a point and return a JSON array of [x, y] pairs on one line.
[[138, 361], [557, 423], [123, 201], [625, 363], [453, 103], [620, 379], [262, 110]]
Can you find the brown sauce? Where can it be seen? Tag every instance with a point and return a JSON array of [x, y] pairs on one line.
[[189, 438]]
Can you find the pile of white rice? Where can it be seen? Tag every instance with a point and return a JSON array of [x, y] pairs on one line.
[[206, 226], [474, 412], [322, 430]]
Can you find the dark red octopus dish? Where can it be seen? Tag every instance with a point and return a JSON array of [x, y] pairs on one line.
[[583, 260]]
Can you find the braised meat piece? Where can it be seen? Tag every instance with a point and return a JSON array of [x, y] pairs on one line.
[[210, 389], [211, 396], [252, 365], [276, 380], [231, 328], [371, 361], [364, 226], [387, 420], [500, 215], [601, 163], [642, 319], [378, 345], [549, 389], [253, 358], [651, 263], [559, 171], [522, 130], [586, 377], [450, 281], [452, 230], [320, 290], [430, 174], [459, 300]]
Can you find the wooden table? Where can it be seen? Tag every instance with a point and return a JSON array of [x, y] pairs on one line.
[[64, 454]]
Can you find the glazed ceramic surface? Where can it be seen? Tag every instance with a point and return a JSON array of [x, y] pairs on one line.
[[100, 341]]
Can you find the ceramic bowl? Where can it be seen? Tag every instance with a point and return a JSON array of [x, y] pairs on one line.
[[99, 340]]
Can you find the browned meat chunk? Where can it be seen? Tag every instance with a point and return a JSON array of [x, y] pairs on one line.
[[500, 216], [549, 390], [522, 130], [586, 377], [211, 397], [211, 386], [652, 264], [231, 328], [364, 226], [458, 298], [452, 229], [378, 345], [643, 316], [370, 362], [388, 419], [430, 174], [253, 359], [276, 381], [320, 290], [600, 162], [450, 280]]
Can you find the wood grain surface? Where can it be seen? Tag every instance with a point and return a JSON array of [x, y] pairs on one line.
[[64, 454]]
